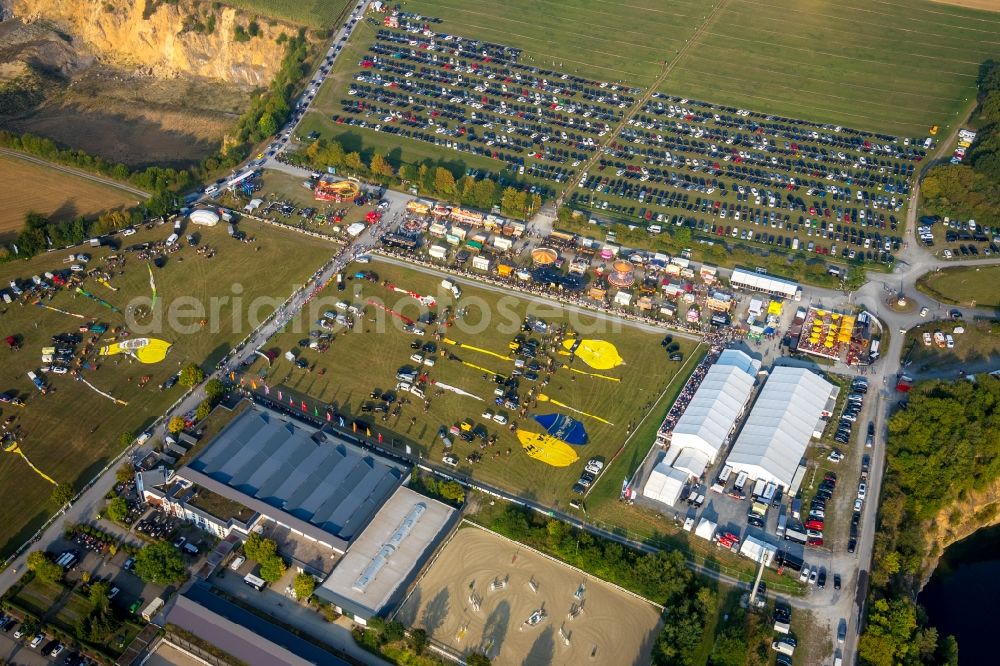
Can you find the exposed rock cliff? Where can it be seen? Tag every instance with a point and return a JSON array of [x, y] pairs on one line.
[[166, 39], [959, 520]]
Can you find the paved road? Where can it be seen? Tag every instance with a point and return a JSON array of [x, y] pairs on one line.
[[86, 175]]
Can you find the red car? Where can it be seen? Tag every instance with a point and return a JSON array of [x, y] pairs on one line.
[[815, 525], [815, 542]]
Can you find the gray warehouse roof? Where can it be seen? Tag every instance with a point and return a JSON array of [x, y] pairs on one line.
[[243, 634], [378, 565], [275, 466]]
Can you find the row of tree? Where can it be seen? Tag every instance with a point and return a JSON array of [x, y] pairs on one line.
[[663, 577], [972, 189], [945, 445], [429, 179]]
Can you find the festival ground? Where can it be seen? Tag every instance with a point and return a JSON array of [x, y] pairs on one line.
[[71, 432], [585, 620], [607, 399]]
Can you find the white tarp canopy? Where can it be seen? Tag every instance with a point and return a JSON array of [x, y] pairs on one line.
[[623, 298], [758, 550], [205, 217], [780, 425], [714, 408], [665, 484], [705, 529], [692, 461], [765, 283]]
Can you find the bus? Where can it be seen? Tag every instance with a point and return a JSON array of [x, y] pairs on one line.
[[255, 582]]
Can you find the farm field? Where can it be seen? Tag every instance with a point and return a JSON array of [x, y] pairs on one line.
[[55, 194], [613, 628], [369, 357], [72, 432], [311, 13], [901, 66], [971, 286]]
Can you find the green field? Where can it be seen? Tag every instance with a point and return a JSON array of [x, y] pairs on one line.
[[73, 431], [368, 358], [894, 66], [972, 286], [311, 13]]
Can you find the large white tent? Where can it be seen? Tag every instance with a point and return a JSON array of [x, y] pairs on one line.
[[665, 484], [714, 408], [762, 282], [705, 529], [780, 425]]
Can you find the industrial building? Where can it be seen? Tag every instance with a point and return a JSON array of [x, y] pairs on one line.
[[785, 417], [382, 561]]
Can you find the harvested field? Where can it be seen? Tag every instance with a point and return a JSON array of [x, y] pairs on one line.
[[56, 194], [985, 5], [311, 13], [613, 628]]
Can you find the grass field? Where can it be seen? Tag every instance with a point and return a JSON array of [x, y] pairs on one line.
[[894, 66], [972, 286], [975, 350], [311, 13], [56, 194], [71, 433], [359, 362]]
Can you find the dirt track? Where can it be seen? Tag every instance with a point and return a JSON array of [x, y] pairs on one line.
[[614, 627]]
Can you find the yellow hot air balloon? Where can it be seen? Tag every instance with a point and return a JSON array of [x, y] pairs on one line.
[[547, 449], [146, 350], [598, 354]]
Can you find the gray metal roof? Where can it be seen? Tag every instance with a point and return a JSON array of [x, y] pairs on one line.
[[299, 476], [374, 573], [242, 634]]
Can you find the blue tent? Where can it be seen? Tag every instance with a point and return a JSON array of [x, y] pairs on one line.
[[563, 427]]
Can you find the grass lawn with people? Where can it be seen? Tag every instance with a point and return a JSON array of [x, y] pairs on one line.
[[606, 401], [73, 431]]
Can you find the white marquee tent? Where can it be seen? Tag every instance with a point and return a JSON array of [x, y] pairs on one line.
[[714, 408], [767, 284], [691, 460], [665, 484], [757, 550], [705, 529], [780, 425]]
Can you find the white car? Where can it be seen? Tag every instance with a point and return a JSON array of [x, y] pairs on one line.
[[949, 341], [113, 593], [862, 490], [37, 640], [500, 418], [59, 370], [804, 575], [858, 503], [923, 312], [128, 231], [450, 459], [947, 254]]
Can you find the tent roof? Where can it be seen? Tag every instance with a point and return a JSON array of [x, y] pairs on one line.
[[780, 425], [715, 406], [765, 283], [665, 484], [706, 529], [692, 461]]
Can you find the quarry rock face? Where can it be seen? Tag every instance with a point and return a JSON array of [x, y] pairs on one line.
[[144, 35]]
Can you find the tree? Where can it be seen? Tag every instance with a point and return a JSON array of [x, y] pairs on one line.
[[380, 166], [117, 510], [444, 183], [45, 569], [353, 162], [176, 424], [267, 125], [160, 563], [191, 376], [477, 659], [409, 173], [126, 439], [214, 389], [203, 410], [258, 548], [452, 491], [272, 568], [304, 585], [418, 641], [61, 495]]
